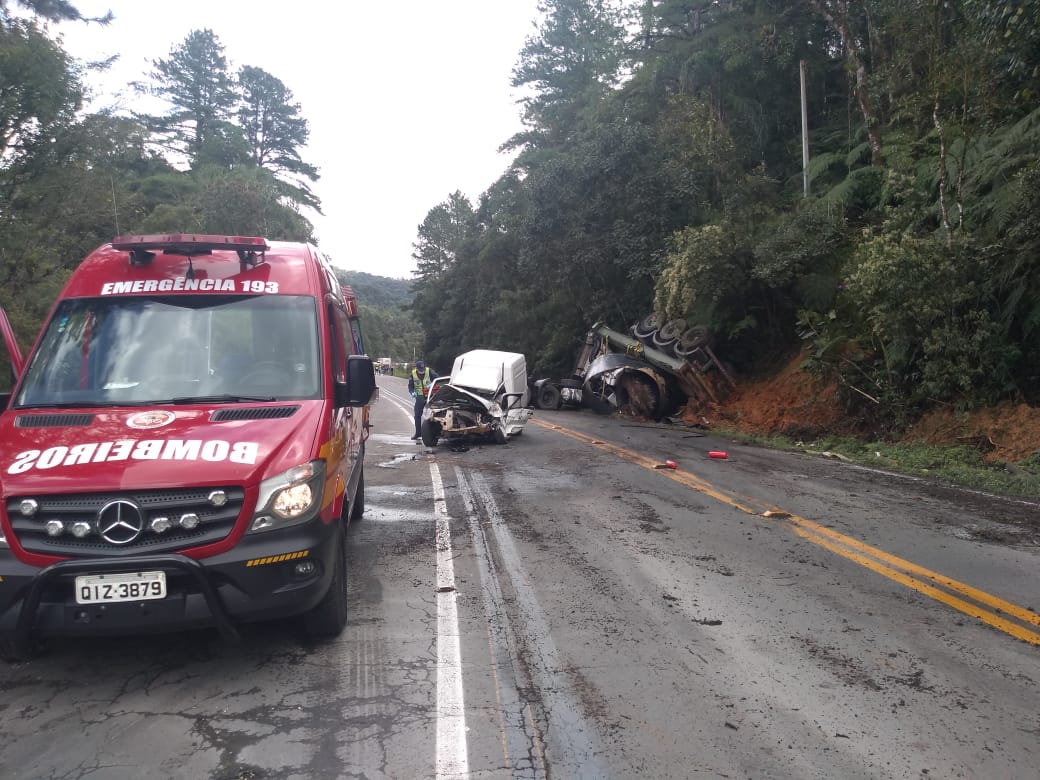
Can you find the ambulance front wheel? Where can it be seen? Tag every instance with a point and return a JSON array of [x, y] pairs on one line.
[[14, 651], [430, 431], [357, 511], [329, 617]]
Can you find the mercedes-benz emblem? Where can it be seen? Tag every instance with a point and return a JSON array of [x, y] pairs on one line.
[[120, 522]]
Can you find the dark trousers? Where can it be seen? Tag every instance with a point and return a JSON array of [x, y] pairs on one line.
[[420, 404]]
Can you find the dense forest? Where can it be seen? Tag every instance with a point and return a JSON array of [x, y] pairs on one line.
[[661, 171], [389, 328], [855, 178]]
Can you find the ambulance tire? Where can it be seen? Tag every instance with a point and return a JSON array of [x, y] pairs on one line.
[[430, 433], [13, 652], [329, 617], [358, 510]]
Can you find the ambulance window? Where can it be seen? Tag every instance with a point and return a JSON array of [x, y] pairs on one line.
[[355, 333], [337, 323], [6, 373], [138, 350]]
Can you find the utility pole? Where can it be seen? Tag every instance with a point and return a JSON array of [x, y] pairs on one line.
[[805, 135]]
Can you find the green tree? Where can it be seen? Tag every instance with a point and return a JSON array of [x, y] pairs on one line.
[[245, 201], [194, 81], [275, 130], [441, 234], [1011, 27], [56, 11], [40, 90], [571, 62]]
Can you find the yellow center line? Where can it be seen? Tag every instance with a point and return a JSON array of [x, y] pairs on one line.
[[875, 559]]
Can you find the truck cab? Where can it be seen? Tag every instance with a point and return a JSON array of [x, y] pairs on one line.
[[184, 445]]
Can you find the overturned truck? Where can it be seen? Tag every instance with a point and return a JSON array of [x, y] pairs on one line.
[[650, 374]]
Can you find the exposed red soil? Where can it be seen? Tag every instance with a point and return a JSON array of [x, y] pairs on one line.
[[793, 403]]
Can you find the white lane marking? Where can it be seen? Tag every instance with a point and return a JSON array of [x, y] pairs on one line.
[[520, 733], [407, 406], [451, 758]]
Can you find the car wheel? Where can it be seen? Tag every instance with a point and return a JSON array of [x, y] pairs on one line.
[[500, 435], [329, 617], [430, 433], [358, 511]]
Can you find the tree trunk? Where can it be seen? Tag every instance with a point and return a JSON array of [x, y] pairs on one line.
[[854, 56]]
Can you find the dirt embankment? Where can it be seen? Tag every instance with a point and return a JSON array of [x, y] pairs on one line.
[[793, 403]]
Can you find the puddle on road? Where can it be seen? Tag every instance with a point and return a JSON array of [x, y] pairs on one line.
[[403, 457]]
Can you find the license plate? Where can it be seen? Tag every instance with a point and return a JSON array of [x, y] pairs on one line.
[[111, 588]]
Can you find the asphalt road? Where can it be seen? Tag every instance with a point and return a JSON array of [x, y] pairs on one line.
[[560, 607]]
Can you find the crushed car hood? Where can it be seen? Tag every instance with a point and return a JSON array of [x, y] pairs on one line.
[[450, 395]]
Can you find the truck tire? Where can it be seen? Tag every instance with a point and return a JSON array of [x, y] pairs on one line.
[[358, 511], [672, 330], [548, 397], [692, 339], [666, 345], [328, 618], [430, 432], [645, 328]]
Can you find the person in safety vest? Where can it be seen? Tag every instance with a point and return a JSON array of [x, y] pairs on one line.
[[419, 387]]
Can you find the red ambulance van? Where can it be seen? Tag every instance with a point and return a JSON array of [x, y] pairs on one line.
[[184, 446]]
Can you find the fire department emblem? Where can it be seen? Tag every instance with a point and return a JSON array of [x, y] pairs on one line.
[[143, 421]]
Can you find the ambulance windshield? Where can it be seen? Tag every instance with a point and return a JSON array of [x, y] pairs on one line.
[[175, 349]]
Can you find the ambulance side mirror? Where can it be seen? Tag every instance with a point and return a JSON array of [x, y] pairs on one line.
[[360, 387]]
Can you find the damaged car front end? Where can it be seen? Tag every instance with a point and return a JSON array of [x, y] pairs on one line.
[[486, 396]]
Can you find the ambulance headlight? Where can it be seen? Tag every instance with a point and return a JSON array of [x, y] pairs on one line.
[[292, 497]]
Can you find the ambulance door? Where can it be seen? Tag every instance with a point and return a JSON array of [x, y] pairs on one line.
[[11, 361], [345, 419]]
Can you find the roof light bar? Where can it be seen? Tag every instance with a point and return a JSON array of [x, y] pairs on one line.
[[186, 243]]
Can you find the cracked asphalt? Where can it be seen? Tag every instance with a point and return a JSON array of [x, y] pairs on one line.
[[612, 620]]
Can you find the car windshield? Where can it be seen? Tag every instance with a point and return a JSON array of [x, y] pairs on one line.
[[121, 350]]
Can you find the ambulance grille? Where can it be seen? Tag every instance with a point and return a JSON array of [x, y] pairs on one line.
[[255, 413], [215, 522], [52, 420]]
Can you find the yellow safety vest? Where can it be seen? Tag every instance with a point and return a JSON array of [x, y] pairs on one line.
[[421, 384]]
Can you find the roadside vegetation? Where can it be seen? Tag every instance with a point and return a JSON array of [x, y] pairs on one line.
[[390, 329], [962, 465]]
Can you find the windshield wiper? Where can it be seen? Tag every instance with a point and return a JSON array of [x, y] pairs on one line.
[[225, 398], [64, 405]]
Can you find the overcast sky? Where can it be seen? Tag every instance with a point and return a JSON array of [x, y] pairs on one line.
[[407, 101]]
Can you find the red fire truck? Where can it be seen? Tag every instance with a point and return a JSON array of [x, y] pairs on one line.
[[184, 445]]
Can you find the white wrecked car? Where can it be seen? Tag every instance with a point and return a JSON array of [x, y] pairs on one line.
[[486, 395]]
